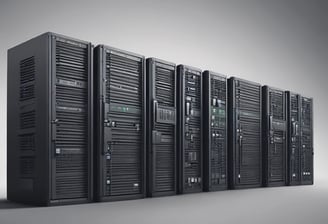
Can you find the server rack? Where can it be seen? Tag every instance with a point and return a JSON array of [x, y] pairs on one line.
[[120, 124], [294, 138], [306, 150], [50, 121], [161, 131], [275, 137], [215, 131], [190, 135], [244, 128]]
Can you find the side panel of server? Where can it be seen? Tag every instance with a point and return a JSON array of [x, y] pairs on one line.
[[161, 131], [306, 141], [275, 136], [120, 112], [245, 154], [294, 138], [53, 74], [215, 131], [190, 129]]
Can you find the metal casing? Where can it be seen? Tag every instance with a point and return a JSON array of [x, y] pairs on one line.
[[274, 137], [215, 118], [190, 130], [50, 121], [244, 133], [162, 128], [120, 124]]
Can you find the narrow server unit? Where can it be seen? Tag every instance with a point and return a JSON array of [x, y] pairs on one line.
[[120, 120], [245, 152], [300, 142], [275, 137], [215, 131], [190, 129], [50, 137], [161, 131]]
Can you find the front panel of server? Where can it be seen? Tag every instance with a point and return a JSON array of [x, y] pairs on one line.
[[71, 119], [215, 131], [120, 147], [306, 141], [275, 139], [245, 154], [161, 153], [294, 138], [190, 129]]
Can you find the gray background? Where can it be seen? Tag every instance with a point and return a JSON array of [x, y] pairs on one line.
[[282, 43]]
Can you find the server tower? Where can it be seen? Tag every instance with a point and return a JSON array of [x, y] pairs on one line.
[[294, 138], [300, 139], [306, 141], [120, 124], [275, 137], [244, 128], [215, 131], [190, 129], [161, 131], [49, 125]]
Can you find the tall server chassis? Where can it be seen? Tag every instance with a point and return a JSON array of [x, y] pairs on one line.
[[300, 139], [190, 135], [161, 131], [215, 131], [50, 137], [275, 137], [307, 141], [245, 139], [120, 124]]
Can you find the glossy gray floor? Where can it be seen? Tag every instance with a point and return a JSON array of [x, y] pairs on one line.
[[302, 204]]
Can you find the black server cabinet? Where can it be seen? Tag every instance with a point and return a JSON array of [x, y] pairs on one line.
[[215, 131], [50, 118], [293, 138], [245, 137], [306, 150], [120, 124], [161, 130], [190, 144], [300, 139], [275, 137]]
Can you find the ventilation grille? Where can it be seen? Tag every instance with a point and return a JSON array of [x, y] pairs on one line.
[[124, 87], [71, 142], [27, 142], [218, 157], [27, 79], [165, 86], [248, 142], [26, 167], [277, 158], [164, 167], [27, 119], [192, 146], [277, 107], [124, 78]]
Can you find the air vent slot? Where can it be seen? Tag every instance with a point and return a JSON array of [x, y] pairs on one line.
[[27, 142], [27, 119]]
